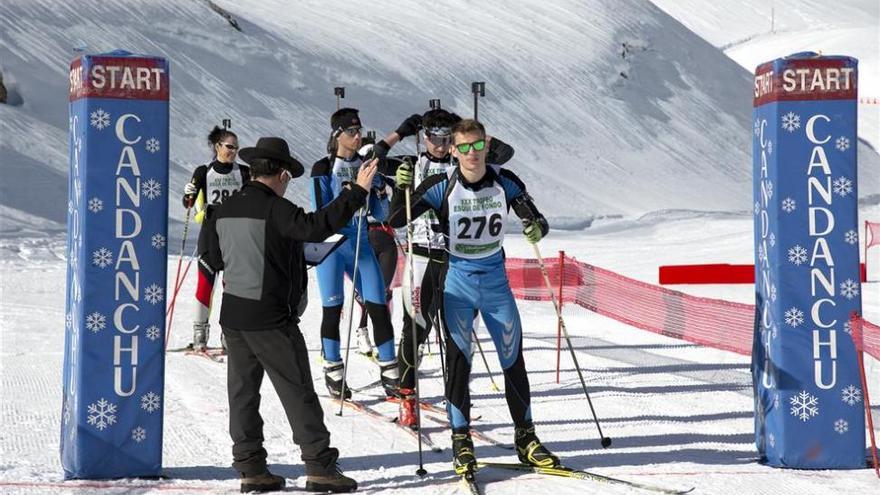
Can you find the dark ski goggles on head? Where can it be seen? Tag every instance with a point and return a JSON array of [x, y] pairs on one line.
[[438, 139], [465, 148], [352, 131]]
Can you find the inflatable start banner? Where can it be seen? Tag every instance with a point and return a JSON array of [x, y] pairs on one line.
[[808, 398], [114, 366]]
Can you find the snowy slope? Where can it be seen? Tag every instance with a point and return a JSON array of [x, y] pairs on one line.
[[596, 133], [743, 29]]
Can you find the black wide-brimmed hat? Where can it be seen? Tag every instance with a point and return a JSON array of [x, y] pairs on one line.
[[273, 148]]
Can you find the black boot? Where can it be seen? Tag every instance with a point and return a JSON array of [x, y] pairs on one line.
[[463, 459], [390, 377], [531, 450], [263, 482], [333, 379], [324, 475]]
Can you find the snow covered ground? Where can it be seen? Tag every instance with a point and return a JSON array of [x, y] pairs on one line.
[[680, 415], [668, 122]]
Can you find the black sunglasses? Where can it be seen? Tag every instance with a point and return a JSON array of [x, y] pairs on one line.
[[229, 146]]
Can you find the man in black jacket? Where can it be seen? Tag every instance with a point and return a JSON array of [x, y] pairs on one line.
[[256, 236]]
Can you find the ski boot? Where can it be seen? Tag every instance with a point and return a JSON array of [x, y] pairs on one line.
[[531, 451], [463, 459], [407, 415], [263, 482], [390, 376], [333, 379], [335, 481], [201, 332], [365, 347]]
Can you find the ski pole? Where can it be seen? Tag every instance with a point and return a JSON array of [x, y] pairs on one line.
[[177, 280], [339, 91], [354, 274], [486, 363], [606, 441], [414, 329], [478, 89]]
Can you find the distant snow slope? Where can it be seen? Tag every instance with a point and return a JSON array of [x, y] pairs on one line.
[[596, 133], [743, 30]]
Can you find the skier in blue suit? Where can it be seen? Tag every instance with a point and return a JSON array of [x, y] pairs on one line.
[[472, 202], [328, 178]]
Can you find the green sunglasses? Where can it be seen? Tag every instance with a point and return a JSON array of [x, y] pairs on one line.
[[465, 148]]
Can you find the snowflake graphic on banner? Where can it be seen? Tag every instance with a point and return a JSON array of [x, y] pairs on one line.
[[102, 258], [67, 413], [847, 327], [788, 205], [791, 121], [841, 426], [95, 205], [772, 440], [772, 239], [849, 288], [99, 119], [769, 147], [158, 241], [804, 406], [794, 317], [769, 190], [797, 255], [842, 186], [70, 207], [68, 320], [773, 292], [852, 237], [152, 145], [153, 332], [757, 128], [138, 434], [96, 322], [776, 400], [841, 143], [760, 253], [152, 189], [851, 395], [102, 414], [154, 294], [150, 402], [757, 208]]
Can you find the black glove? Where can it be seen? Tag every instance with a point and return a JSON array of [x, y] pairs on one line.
[[410, 126]]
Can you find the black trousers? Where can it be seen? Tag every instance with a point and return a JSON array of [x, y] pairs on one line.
[[281, 353], [430, 302]]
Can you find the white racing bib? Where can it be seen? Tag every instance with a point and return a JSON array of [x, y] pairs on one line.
[[344, 171], [219, 186], [476, 221], [426, 228]]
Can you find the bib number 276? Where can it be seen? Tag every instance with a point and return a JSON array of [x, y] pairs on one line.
[[479, 223]]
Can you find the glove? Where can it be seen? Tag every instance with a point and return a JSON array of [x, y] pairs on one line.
[[189, 195], [532, 231], [410, 126], [404, 175], [367, 152]]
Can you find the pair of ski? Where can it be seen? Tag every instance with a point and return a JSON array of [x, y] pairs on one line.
[[433, 417], [216, 354], [473, 488], [373, 413]]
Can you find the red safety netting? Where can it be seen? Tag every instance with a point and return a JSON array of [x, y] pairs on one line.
[[710, 322]]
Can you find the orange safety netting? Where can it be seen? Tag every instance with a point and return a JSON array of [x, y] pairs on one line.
[[705, 321]]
